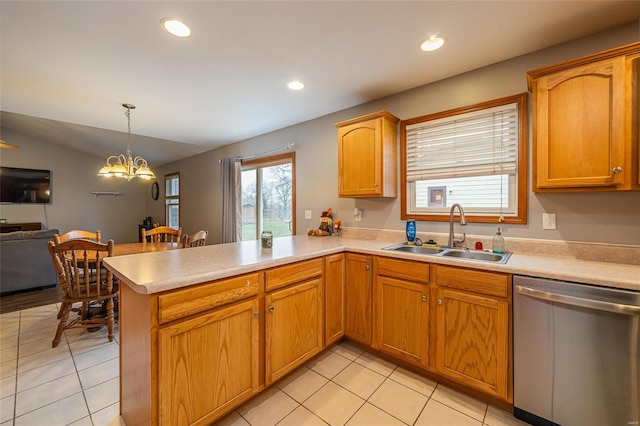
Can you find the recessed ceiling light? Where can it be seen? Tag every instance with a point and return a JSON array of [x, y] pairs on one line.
[[295, 85], [175, 27], [434, 43]]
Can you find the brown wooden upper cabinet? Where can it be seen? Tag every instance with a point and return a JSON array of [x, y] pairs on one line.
[[585, 123], [367, 156]]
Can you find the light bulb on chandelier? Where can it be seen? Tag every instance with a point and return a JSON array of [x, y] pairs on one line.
[[124, 165]]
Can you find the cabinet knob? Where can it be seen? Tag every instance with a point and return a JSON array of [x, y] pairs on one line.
[[439, 301], [256, 314], [375, 185], [367, 267], [271, 308], [424, 298], [617, 169]]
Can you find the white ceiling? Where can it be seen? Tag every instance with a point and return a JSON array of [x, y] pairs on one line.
[[66, 66]]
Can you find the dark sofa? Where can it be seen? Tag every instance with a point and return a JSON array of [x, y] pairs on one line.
[[25, 262]]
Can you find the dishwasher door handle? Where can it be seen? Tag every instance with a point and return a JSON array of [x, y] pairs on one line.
[[579, 301]]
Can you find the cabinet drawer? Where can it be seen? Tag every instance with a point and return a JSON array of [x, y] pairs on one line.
[[489, 283], [294, 273], [404, 269], [206, 296]]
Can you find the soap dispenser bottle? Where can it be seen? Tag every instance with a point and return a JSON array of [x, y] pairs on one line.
[[411, 231], [498, 242]]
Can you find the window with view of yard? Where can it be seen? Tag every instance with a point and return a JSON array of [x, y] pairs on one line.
[[172, 200], [474, 156], [268, 196]]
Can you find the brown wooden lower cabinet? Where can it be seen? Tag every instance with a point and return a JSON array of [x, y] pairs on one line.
[[472, 341], [466, 330], [334, 273], [401, 319], [293, 331], [473, 331], [189, 356], [358, 297], [208, 364]]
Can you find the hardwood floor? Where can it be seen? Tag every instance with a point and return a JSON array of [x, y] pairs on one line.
[[30, 299]]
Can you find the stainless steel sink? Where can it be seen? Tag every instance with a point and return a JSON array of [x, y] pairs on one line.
[[415, 249], [477, 255], [451, 252]]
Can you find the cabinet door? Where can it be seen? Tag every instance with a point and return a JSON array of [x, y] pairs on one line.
[[358, 298], [472, 340], [208, 364], [579, 134], [334, 298], [401, 319], [293, 332], [359, 162]]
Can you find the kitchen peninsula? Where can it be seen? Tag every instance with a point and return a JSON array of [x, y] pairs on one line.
[[202, 330]]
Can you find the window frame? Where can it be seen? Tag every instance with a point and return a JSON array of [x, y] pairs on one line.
[[273, 160], [168, 177], [522, 173]]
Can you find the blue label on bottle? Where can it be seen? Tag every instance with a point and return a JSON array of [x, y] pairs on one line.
[[411, 230]]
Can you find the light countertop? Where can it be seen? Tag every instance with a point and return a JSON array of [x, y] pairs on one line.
[[148, 273]]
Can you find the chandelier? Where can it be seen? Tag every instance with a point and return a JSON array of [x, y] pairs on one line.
[[124, 165]]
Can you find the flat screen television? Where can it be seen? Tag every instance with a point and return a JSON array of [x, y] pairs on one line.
[[25, 186]]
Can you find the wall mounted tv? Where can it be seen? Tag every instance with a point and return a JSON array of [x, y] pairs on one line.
[[25, 186]]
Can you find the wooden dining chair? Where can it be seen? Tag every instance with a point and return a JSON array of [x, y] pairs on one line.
[[161, 234], [75, 234], [194, 240], [78, 264]]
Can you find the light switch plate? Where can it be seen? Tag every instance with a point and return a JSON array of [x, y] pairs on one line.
[[549, 221], [307, 214]]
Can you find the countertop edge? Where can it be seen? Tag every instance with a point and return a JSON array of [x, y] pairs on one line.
[[150, 273]]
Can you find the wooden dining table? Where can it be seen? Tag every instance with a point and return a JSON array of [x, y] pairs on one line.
[[135, 248], [132, 248]]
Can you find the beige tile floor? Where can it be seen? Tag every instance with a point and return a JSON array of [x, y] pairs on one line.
[[77, 384], [347, 386]]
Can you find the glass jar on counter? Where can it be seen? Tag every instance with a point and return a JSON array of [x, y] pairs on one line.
[[267, 239]]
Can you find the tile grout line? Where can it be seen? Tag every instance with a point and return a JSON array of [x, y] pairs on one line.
[[15, 393], [75, 367]]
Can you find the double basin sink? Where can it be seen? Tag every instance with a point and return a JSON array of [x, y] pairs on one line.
[[451, 252]]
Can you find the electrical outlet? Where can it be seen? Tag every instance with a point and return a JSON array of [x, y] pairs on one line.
[[307, 214], [357, 214], [549, 221]]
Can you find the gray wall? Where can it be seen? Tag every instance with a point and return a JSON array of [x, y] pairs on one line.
[[602, 217], [74, 178]]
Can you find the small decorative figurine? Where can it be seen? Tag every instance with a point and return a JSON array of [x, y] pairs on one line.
[[326, 225]]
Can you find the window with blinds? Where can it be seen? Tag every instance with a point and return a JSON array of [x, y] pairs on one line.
[[172, 200], [474, 156]]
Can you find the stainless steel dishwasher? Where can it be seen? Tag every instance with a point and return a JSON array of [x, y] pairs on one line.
[[576, 353]]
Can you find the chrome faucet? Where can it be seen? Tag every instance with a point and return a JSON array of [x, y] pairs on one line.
[[463, 221]]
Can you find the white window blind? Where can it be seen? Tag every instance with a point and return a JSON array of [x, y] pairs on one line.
[[172, 186], [172, 200], [479, 143]]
